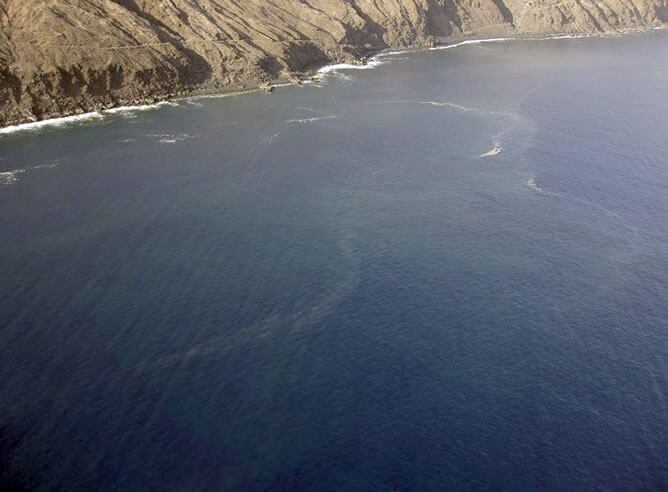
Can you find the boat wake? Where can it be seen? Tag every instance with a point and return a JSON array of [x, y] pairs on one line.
[[532, 185], [495, 151]]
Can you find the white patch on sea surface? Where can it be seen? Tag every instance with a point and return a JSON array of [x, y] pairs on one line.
[[385, 55], [169, 138], [12, 176], [502, 40], [51, 123], [314, 119], [269, 138], [497, 139], [533, 186], [495, 151], [130, 111], [48, 165], [372, 63], [127, 111], [451, 105], [375, 61]]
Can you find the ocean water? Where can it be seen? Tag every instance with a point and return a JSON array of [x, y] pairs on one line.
[[448, 272]]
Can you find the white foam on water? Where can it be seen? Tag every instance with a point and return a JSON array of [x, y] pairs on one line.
[[129, 111], [54, 122], [495, 151], [503, 40], [168, 138], [468, 42], [451, 105], [371, 64], [314, 119], [342, 76], [48, 165], [455, 106], [498, 142], [533, 186], [269, 138], [12, 176]]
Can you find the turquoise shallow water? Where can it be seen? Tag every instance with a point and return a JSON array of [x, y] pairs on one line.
[[332, 288]]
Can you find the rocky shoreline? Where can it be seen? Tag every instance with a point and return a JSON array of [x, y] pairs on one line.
[[134, 52]]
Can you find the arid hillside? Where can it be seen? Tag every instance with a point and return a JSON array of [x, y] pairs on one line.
[[60, 57]]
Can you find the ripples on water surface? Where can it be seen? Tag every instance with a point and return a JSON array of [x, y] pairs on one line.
[[449, 272]]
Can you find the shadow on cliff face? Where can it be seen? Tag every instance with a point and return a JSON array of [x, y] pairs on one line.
[[505, 11], [444, 19], [197, 70], [303, 56], [371, 33], [662, 12], [10, 87]]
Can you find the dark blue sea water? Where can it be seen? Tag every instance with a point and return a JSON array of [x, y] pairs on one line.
[[332, 288]]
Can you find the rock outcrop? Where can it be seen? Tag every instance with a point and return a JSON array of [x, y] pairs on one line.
[[60, 57]]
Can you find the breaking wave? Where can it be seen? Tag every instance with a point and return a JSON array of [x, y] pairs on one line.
[[129, 111], [372, 63], [52, 123]]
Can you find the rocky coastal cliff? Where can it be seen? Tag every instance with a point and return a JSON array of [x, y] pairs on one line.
[[61, 57]]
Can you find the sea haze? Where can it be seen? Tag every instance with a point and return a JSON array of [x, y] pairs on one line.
[[448, 272]]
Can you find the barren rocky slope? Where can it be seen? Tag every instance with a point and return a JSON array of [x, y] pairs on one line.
[[62, 57]]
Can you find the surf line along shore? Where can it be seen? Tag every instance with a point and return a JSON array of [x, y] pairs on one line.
[[310, 77]]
